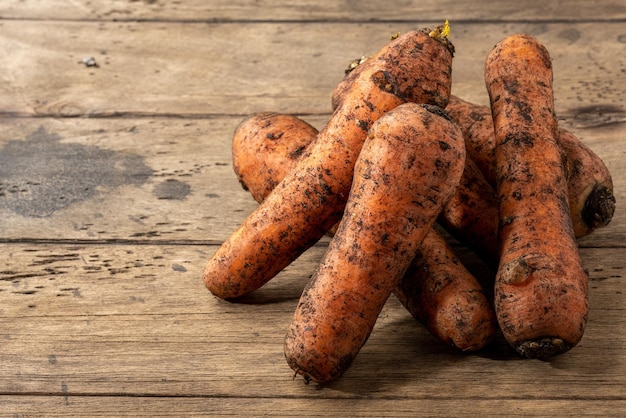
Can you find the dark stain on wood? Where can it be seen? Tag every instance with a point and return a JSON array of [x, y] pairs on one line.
[[41, 175], [596, 116], [172, 190], [178, 267]]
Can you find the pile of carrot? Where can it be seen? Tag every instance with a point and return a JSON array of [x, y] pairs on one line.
[[400, 161]]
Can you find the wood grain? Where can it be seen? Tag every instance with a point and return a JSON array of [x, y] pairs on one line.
[[310, 10], [89, 406], [109, 320], [198, 69]]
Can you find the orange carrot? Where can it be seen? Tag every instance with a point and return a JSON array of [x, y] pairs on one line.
[[265, 147], [471, 215], [541, 286], [343, 89], [437, 289], [590, 187], [408, 167], [477, 126], [446, 298], [311, 198]]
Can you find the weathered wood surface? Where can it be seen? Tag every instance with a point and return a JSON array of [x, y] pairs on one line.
[[116, 185], [316, 407], [113, 319], [308, 10], [206, 70]]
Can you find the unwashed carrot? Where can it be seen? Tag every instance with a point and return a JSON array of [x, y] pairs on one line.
[[471, 215], [541, 287], [265, 146], [589, 182], [343, 89], [408, 167], [477, 126], [311, 198], [426, 81], [590, 186], [437, 289], [446, 298]]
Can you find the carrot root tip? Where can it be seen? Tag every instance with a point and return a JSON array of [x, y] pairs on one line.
[[599, 207], [543, 349], [441, 34]]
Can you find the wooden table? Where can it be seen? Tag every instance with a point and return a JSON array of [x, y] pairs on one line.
[[116, 186]]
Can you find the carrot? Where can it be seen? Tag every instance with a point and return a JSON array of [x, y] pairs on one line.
[[477, 126], [437, 289], [407, 168], [356, 67], [471, 215], [311, 198], [589, 183], [590, 186], [540, 287], [265, 147], [446, 298]]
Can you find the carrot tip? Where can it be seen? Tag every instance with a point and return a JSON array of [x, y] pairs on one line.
[[544, 348], [599, 207], [355, 63], [441, 33]]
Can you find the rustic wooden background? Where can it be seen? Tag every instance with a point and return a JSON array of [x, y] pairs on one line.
[[116, 186]]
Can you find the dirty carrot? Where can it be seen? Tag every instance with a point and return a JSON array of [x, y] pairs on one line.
[[311, 198], [446, 298], [589, 183], [265, 146], [590, 186], [540, 289], [477, 126], [437, 289], [428, 82], [471, 215], [408, 167]]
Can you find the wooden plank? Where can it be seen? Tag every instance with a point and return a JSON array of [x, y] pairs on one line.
[[119, 179], [118, 320], [159, 68], [160, 179], [88, 406], [307, 10]]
